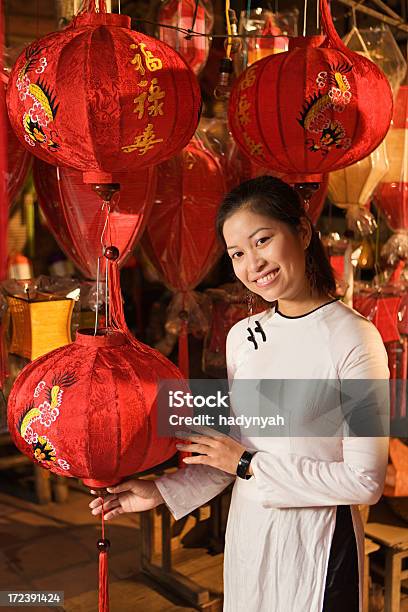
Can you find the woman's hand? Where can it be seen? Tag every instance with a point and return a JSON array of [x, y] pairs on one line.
[[130, 496], [216, 449]]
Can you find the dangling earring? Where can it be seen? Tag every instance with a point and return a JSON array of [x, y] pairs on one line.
[[250, 303]]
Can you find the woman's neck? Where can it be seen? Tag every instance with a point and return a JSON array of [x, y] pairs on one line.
[[299, 307]]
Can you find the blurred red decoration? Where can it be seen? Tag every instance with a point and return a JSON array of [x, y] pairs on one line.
[[187, 14], [317, 200], [180, 239], [392, 193], [102, 98], [309, 111], [89, 410], [74, 212]]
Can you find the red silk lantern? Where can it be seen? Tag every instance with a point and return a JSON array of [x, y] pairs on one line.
[[309, 111], [187, 14], [316, 202], [89, 409], [180, 238], [102, 98], [75, 217], [392, 193]]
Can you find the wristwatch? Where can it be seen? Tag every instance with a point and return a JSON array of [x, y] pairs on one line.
[[243, 465]]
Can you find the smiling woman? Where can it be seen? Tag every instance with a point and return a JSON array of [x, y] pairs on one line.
[[274, 248], [294, 539]]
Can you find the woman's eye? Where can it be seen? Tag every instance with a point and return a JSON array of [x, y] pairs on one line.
[[236, 255], [262, 240]]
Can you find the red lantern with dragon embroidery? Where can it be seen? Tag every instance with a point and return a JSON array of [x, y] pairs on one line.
[[102, 98], [310, 110], [90, 409]]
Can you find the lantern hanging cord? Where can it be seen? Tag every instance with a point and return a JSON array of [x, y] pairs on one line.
[[304, 17], [98, 268], [229, 29], [194, 19]]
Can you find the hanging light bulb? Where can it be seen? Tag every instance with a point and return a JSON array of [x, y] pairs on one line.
[[223, 87]]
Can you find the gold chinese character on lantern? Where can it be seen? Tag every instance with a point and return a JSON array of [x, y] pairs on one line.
[[155, 95], [255, 148], [143, 142], [243, 107], [151, 63], [140, 104], [249, 78]]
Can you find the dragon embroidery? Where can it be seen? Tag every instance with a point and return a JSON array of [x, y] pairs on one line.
[[39, 102], [333, 94], [45, 414]]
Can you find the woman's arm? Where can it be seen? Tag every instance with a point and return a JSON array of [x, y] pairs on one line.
[[191, 487], [359, 479]]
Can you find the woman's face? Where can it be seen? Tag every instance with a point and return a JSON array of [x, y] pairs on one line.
[[267, 256]]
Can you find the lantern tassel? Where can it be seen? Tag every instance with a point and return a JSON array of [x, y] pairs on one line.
[[103, 547], [183, 356]]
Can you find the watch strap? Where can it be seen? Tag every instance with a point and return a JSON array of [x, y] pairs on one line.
[[243, 465]]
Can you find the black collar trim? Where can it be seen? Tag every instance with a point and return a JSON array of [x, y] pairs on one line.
[[306, 313]]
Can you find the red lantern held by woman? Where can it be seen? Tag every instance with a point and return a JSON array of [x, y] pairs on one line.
[[89, 409], [309, 111], [101, 98], [75, 216]]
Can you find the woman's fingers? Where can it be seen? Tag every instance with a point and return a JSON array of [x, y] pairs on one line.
[[112, 513], [194, 448], [114, 503], [199, 439], [95, 503], [122, 487]]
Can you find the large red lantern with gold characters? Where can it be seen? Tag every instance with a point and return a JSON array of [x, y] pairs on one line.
[[309, 111], [102, 98]]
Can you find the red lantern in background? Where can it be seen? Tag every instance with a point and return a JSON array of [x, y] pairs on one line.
[[187, 14], [309, 111], [74, 212], [102, 98], [392, 193], [316, 200], [180, 238]]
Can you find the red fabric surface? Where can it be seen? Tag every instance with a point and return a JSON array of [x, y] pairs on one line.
[[309, 111], [179, 13], [180, 238], [19, 161], [392, 196], [102, 98], [76, 219], [382, 311], [95, 401], [337, 263]]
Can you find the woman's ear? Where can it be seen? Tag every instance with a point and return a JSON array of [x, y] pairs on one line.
[[305, 231]]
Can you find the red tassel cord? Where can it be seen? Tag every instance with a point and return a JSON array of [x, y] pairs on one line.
[[183, 355], [103, 547]]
